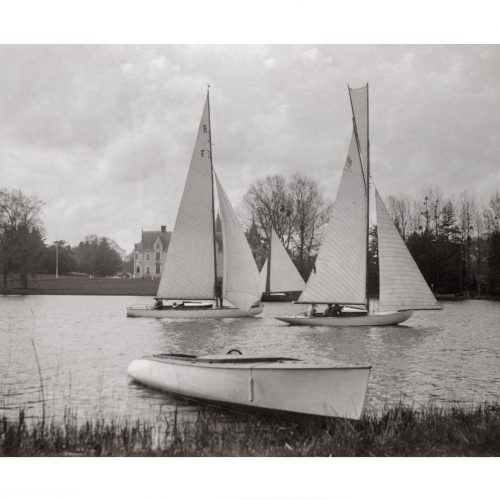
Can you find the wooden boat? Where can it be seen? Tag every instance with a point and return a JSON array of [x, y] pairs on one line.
[[341, 275], [279, 279], [190, 273], [260, 382]]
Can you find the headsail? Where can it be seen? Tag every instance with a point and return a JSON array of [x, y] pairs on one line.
[[240, 276], [359, 104], [341, 264], [188, 272], [284, 274], [402, 285]]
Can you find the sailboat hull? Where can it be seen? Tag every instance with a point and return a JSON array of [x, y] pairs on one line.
[[280, 296], [192, 313], [371, 319], [268, 384]]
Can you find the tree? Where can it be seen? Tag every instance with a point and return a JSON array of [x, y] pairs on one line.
[[21, 234], [94, 255], [399, 208], [65, 258], [295, 209]]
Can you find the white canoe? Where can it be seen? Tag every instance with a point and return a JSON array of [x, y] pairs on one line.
[[366, 319], [268, 383], [190, 312]]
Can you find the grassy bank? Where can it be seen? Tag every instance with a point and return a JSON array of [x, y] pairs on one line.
[[398, 431], [44, 284]]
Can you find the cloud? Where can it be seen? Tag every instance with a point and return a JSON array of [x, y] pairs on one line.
[[104, 134]]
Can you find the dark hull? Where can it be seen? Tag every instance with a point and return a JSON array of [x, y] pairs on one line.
[[280, 296]]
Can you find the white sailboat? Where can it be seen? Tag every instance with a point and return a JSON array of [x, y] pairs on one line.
[[279, 279], [341, 275], [188, 287]]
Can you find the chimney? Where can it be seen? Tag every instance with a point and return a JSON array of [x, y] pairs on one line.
[[163, 229]]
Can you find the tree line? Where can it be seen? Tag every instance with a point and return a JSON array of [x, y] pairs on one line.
[[24, 252], [455, 242]]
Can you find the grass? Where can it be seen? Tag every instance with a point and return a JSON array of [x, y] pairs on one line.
[[397, 431], [45, 284]]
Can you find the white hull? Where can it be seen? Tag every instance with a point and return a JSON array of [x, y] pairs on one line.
[[191, 313], [292, 386], [370, 319]]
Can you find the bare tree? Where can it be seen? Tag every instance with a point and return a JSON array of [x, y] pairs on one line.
[[295, 209], [21, 231], [400, 209]]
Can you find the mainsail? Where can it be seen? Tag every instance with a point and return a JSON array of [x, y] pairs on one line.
[[188, 272], [284, 275], [359, 104], [340, 275], [402, 285], [240, 275]]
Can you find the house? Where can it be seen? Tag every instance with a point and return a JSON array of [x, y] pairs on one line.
[[151, 252]]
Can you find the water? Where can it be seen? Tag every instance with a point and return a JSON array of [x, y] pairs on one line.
[[85, 343]]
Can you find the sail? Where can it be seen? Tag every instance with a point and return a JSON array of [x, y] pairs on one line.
[[402, 285], [240, 283], [188, 272], [263, 277], [341, 264], [284, 275], [359, 104]]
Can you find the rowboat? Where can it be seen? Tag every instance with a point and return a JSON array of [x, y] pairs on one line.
[[270, 383], [356, 241]]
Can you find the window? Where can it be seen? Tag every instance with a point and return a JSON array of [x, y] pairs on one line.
[[157, 246], [147, 270], [136, 255], [137, 269], [158, 268], [147, 256], [157, 255]]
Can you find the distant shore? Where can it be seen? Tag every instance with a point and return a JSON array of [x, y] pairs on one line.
[[399, 431], [44, 284]]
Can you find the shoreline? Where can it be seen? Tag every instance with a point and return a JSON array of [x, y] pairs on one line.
[[398, 431]]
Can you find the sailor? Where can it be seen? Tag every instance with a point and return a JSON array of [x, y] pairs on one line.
[[337, 310], [218, 294], [328, 311], [158, 303]]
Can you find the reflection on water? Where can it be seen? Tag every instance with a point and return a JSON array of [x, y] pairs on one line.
[[84, 345]]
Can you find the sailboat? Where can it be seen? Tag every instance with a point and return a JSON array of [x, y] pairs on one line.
[[189, 285], [341, 275], [279, 279]]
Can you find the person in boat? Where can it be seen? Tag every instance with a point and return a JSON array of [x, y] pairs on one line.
[[311, 312], [328, 312], [218, 294], [337, 310], [158, 304]]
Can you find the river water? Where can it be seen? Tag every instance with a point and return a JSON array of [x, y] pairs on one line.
[[85, 343]]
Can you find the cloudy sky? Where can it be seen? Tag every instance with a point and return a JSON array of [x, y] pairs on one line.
[[104, 134]]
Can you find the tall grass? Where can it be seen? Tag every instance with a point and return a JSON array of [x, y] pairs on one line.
[[397, 431]]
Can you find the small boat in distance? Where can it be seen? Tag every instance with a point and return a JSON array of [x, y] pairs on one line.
[[189, 286], [260, 382], [279, 279], [342, 276]]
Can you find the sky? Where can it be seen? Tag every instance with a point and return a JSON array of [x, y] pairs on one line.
[[103, 134]]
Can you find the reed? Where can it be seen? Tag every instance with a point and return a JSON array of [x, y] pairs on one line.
[[396, 431]]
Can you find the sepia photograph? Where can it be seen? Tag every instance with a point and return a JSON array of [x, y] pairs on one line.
[[235, 250]]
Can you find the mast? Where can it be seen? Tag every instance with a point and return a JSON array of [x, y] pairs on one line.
[[268, 277], [212, 178], [367, 183], [367, 200]]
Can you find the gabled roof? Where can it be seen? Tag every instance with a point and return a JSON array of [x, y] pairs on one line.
[[149, 238]]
